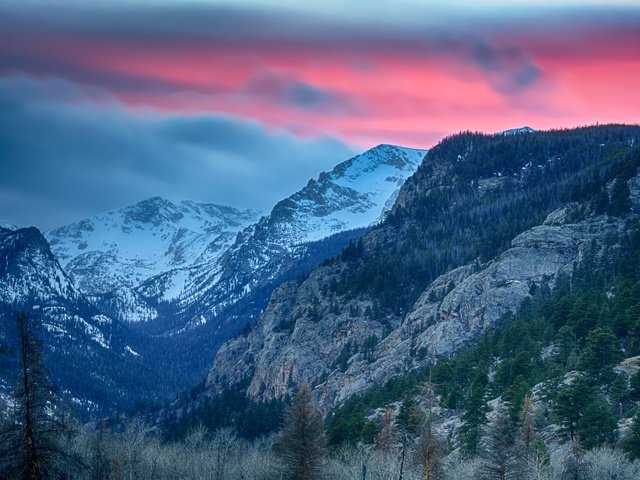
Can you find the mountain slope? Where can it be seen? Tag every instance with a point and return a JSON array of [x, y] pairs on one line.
[[125, 247], [88, 353], [354, 195], [222, 297], [465, 244]]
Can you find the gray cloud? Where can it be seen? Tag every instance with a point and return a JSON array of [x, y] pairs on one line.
[[510, 69], [278, 87], [495, 39], [61, 160]]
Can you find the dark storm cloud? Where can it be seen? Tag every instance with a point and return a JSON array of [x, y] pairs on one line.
[[61, 160], [509, 68]]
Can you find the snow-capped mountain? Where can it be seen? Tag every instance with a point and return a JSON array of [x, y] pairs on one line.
[[354, 195], [75, 336], [189, 276], [125, 247], [7, 226]]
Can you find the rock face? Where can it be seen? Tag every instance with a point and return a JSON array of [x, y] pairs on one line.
[[310, 333], [454, 310]]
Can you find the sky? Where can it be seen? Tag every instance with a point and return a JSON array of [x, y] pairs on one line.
[[105, 103]]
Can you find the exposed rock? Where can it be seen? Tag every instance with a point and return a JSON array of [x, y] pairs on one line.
[[454, 310]]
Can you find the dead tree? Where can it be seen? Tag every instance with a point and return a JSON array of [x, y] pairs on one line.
[[301, 441], [32, 442]]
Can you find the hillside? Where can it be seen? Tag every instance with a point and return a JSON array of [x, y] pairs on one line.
[[484, 222]]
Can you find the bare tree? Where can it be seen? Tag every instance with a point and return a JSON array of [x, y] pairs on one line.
[[32, 446], [499, 452], [429, 447], [301, 441], [388, 438], [223, 440]]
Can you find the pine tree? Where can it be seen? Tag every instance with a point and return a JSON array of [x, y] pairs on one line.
[[597, 425], [475, 416], [569, 406], [301, 441], [632, 441], [501, 458], [601, 350], [32, 446]]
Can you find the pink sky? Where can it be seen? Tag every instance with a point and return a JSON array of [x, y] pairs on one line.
[[105, 103], [400, 87]]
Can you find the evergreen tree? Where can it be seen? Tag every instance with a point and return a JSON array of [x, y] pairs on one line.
[[475, 416], [569, 406], [301, 442], [601, 350], [632, 441], [597, 426], [408, 419], [619, 203], [634, 386], [564, 343]]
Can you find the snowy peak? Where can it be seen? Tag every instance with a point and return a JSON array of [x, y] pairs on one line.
[[400, 158], [127, 246], [517, 131], [353, 195], [29, 271]]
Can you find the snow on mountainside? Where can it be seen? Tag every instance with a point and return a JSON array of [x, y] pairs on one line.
[[517, 131], [354, 195], [76, 338], [125, 247], [29, 271], [7, 226]]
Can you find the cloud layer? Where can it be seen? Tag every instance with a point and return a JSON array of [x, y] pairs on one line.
[[207, 98], [64, 157]]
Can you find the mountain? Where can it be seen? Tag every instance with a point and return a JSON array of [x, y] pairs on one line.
[[7, 226], [125, 247], [188, 276], [484, 223], [224, 296], [90, 356], [354, 195]]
